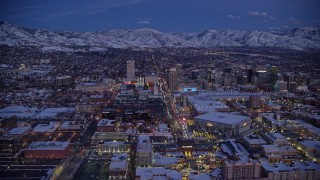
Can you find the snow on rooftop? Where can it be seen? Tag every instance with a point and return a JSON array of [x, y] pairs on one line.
[[201, 176], [314, 144], [254, 139], [49, 145], [114, 143], [19, 111], [52, 112], [226, 149], [205, 103], [221, 94], [46, 127], [157, 173], [119, 157], [224, 118], [277, 167], [105, 122], [19, 130], [275, 148], [275, 135], [144, 144], [118, 165], [216, 172], [160, 160]]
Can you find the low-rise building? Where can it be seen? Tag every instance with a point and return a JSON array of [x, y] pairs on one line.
[[276, 153], [106, 125], [47, 150], [118, 166], [19, 132], [305, 170], [144, 151], [144, 173], [311, 148], [276, 139], [253, 141], [224, 122]]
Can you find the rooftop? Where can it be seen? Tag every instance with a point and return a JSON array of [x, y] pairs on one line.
[[224, 118], [19, 111], [253, 139], [49, 145], [46, 127], [313, 144], [19, 130], [276, 148], [144, 144], [205, 103], [52, 112], [160, 160], [146, 173], [278, 167], [106, 122]]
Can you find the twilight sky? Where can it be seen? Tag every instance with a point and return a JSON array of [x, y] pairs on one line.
[[163, 15]]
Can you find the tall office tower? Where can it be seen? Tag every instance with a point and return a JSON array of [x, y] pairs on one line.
[[156, 89], [179, 70], [249, 75], [289, 77], [211, 74], [254, 101], [263, 77], [171, 78], [227, 72], [242, 79], [272, 72], [131, 70], [280, 86], [195, 74]]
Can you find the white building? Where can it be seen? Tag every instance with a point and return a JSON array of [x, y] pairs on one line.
[[276, 139], [305, 170], [253, 141], [204, 104], [224, 122], [22, 112]]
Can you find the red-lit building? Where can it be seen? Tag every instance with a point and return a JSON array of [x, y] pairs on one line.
[[47, 150]]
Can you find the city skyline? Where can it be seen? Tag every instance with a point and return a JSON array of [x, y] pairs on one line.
[[167, 16], [150, 89]]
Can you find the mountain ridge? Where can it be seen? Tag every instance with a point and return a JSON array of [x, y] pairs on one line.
[[298, 38]]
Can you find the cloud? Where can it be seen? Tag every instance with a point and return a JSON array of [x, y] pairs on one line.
[[272, 18], [232, 16], [294, 21], [257, 13], [144, 22]]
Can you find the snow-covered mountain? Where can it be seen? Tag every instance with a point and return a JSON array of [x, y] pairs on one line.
[[299, 38]]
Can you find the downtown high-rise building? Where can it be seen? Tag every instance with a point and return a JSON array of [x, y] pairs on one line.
[[171, 78], [131, 70]]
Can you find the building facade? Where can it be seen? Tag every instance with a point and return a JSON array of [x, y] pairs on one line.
[[131, 70], [47, 150]]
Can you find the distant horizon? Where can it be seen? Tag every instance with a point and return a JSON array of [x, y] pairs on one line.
[[132, 29], [162, 15]]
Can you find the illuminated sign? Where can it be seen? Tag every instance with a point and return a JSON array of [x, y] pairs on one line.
[[189, 89]]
